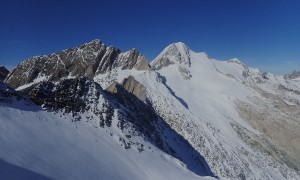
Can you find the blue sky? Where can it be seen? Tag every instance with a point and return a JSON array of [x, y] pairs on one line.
[[262, 33]]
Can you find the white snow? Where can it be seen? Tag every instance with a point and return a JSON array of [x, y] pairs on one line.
[[35, 81], [54, 147], [205, 104]]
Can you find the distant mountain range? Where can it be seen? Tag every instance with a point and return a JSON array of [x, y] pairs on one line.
[[94, 112]]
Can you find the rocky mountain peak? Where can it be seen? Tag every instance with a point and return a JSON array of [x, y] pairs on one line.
[[89, 59], [95, 42], [3, 73], [178, 53]]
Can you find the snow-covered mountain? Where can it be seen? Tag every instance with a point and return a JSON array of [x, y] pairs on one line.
[[187, 112], [84, 132]]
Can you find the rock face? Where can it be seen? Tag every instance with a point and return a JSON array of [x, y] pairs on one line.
[[3, 73], [69, 94], [293, 75], [132, 59], [88, 60], [175, 53], [132, 86]]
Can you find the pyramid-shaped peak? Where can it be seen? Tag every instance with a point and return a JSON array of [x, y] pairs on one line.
[[178, 46], [175, 53]]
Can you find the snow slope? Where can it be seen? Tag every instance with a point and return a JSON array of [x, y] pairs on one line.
[[199, 98], [49, 145]]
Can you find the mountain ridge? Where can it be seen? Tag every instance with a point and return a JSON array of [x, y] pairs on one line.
[[89, 59], [235, 117], [126, 60]]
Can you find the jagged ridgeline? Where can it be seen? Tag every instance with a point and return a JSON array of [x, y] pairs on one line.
[[216, 118], [88, 60]]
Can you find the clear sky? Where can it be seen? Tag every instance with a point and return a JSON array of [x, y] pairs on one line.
[[261, 33]]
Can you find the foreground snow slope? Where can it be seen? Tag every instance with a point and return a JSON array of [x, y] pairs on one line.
[[40, 144]]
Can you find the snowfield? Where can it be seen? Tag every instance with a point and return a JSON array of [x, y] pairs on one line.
[[50, 146]]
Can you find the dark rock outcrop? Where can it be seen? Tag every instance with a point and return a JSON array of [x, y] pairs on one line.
[[80, 95], [3, 73], [8, 94], [70, 94]]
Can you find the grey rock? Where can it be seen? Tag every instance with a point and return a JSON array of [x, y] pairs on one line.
[[132, 59], [88, 60], [293, 75], [163, 62], [278, 121], [282, 87], [186, 74], [142, 65], [132, 86], [112, 88], [176, 52]]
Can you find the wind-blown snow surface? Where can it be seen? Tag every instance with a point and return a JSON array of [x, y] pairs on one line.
[[197, 96], [36, 144]]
